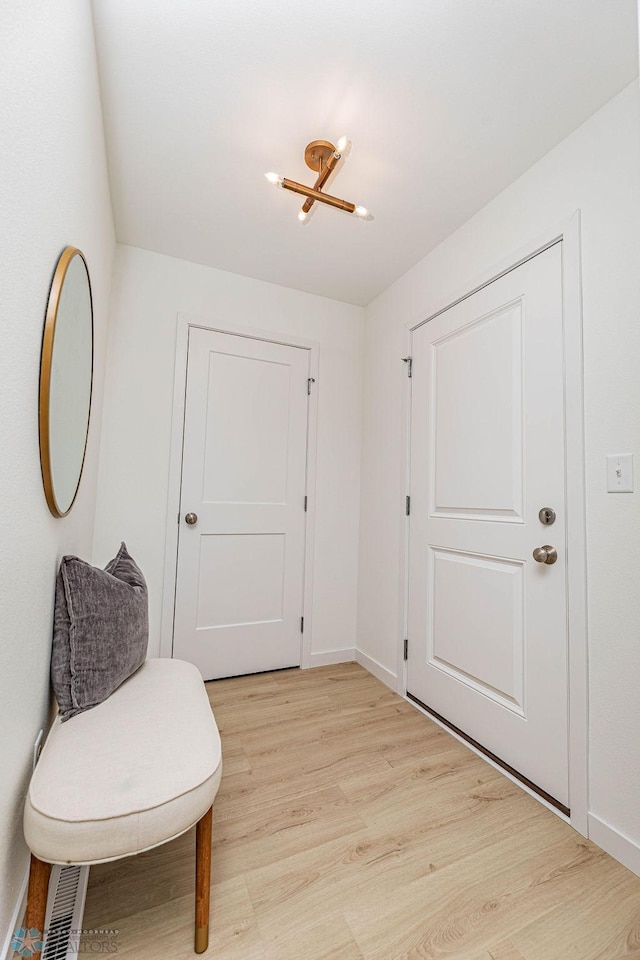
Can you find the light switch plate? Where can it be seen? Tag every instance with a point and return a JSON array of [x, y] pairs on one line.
[[620, 473]]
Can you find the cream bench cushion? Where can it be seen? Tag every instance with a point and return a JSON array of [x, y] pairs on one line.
[[136, 771]]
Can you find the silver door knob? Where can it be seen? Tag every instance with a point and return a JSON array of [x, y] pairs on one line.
[[546, 554], [191, 519]]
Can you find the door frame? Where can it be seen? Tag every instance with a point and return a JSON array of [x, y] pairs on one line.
[[184, 323], [568, 231]]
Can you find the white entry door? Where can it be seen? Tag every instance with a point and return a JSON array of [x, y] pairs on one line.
[[239, 589], [487, 648]]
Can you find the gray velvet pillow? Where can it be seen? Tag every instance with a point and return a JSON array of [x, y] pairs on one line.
[[100, 630]]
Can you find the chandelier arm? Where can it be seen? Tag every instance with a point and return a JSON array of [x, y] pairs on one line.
[[323, 176], [314, 194]]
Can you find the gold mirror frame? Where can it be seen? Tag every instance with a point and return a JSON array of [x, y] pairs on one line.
[[46, 366]]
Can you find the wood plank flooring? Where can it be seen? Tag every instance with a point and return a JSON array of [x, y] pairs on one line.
[[350, 827]]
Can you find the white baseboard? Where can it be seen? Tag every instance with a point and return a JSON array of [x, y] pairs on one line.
[[378, 670], [16, 918], [621, 848], [325, 658]]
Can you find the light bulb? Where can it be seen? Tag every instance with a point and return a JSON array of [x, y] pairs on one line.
[[305, 215], [275, 179], [363, 213], [343, 146]]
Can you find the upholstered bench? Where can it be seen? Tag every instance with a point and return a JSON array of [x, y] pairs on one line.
[[134, 772]]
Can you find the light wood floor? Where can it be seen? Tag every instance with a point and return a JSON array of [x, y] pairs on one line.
[[350, 827]]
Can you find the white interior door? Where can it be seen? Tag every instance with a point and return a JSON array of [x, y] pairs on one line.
[[487, 623], [239, 589]]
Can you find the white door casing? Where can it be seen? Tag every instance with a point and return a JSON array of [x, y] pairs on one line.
[[486, 623], [240, 569]]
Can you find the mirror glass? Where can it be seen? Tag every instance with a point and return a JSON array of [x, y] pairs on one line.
[[66, 376]]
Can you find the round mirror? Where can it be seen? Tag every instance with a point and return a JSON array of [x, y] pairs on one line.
[[66, 376]]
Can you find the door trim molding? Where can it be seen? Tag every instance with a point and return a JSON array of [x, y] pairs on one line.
[[184, 322], [568, 231]]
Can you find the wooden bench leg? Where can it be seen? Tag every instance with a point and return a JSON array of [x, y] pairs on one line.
[[203, 880], [38, 889]]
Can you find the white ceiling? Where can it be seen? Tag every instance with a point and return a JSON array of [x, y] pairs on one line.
[[446, 102]]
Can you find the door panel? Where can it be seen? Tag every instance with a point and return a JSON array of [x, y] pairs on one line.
[[487, 624], [479, 641], [246, 454], [241, 566], [476, 396], [228, 560]]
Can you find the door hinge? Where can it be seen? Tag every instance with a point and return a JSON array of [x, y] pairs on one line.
[[306, 501], [409, 363], [301, 624], [407, 505], [309, 382], [406, 648]]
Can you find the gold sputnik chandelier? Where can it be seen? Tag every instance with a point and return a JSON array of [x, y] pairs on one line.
[[325, 159]]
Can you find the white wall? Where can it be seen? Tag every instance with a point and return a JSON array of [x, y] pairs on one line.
[[149, 290], [53, 192], [596, 169]]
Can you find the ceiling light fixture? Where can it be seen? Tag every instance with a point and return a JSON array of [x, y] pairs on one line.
[[325, 159]]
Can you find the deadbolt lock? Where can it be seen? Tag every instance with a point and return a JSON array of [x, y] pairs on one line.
[[191, 519], [547, 516]]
